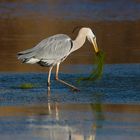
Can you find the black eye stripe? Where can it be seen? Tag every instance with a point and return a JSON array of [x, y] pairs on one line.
[[71, 44]]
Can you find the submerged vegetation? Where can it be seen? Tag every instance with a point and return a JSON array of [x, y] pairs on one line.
[[98, 71], [27, 86]]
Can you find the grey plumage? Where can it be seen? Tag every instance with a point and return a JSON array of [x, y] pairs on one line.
[[49, 51]]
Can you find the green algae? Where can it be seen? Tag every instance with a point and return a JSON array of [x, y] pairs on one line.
[[27, 86], [98, 71]]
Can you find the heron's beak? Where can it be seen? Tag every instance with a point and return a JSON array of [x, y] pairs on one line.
[[95, 45]]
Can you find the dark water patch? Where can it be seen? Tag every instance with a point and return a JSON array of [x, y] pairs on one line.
[[85, 10], [120, 84]]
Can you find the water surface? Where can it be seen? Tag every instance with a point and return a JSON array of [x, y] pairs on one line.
[[108, 108], [70, 121]]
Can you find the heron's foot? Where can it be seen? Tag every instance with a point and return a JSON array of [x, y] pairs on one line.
[[75, 89], [69, 85]]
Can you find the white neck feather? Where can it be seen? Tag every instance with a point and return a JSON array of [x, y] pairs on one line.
[[81, 38], [79, 41]]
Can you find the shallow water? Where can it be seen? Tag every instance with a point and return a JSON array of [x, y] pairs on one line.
[[106, 109], [70, 121], [120, 84]]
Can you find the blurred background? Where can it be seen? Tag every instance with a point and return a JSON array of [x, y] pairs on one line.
[[25, 23]]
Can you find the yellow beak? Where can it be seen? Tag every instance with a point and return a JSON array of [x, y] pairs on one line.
[[95, 45]]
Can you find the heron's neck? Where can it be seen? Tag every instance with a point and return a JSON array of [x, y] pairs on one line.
[[79, 41]]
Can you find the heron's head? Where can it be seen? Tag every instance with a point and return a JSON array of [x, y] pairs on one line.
[[91, 37]]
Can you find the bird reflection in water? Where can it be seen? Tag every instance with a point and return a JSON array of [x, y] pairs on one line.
[[50, 106], [64, 122]]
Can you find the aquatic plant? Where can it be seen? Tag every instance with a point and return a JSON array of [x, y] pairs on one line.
[[26, 86], [98, 71]]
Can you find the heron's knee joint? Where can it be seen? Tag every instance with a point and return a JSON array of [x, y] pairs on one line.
[[48, 84], [56, 78]]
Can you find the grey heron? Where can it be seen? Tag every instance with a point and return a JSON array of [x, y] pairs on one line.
[[55, 49]]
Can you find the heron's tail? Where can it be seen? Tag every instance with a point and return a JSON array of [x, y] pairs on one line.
[[27, 56]]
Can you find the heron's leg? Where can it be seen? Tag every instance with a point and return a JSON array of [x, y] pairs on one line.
[[57, 78], [49, 76], [57, 70]]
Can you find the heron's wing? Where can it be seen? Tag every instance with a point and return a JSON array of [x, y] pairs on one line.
[[39, 46], [54, 47]]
